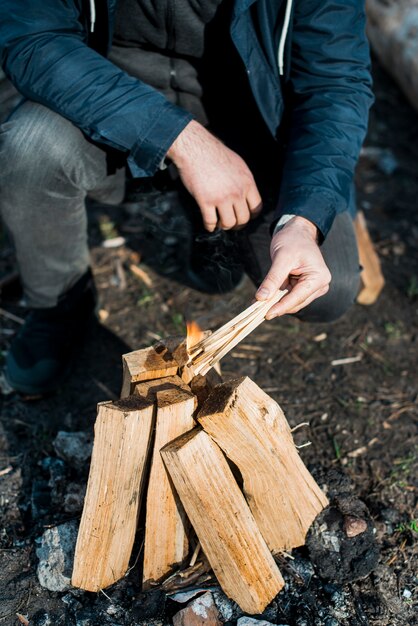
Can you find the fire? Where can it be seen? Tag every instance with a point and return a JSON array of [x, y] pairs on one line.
[[194, 334]]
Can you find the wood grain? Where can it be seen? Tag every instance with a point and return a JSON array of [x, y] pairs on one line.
[[252, 430], [166, 527], [146, 364], [223, 521], [122, 436]]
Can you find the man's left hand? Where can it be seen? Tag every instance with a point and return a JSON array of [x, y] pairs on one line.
[[297, 265]]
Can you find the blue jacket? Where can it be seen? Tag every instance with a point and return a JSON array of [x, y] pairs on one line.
[[46, 50]]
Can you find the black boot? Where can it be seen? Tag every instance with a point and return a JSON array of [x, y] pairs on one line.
[[215, 266], [42, 353]]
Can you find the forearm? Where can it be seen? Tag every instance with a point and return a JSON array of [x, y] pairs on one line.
[[329, 95], [48, 60]]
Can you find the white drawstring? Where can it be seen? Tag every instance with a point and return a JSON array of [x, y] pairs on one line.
[[92, 15], [283, 36]]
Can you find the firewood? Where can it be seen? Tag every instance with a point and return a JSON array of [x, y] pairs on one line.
[[371, 276], [150, 388], [107, 530], [252, 430], [176, 346], [166, 542], [201, 386], [222, 521], [146, 364]]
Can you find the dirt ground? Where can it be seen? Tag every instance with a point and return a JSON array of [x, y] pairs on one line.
[[363, 416]]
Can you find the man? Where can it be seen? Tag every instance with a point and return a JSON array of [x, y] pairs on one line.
[[284, 85]]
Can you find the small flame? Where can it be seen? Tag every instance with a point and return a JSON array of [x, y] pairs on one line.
[[194, 334]]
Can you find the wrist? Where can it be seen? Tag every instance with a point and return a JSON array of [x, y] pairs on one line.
[[304, 225], [183, 144]]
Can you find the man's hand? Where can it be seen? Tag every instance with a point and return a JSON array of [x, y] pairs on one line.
[[217, 178], [297, 265]]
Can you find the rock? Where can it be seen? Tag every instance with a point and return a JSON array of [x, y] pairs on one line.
[[354, 526], [74, 498], [74, 447], [183, 597], [228, 609], [336, 556], [71, 602], [42, 619], [40, 499], [201, 611], [250, 621], [56, 554], [57, 472], [84, 621]]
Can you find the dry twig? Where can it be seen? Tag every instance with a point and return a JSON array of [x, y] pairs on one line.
[[207, 352]]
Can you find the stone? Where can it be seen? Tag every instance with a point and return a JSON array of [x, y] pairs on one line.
[[71, 602], [201, 611], [251, 621], [337, 557], [40, 499], [74, 498], [42, 619], [228, 609], [354, 526], [74, 447], [56, 554], [56, 469]]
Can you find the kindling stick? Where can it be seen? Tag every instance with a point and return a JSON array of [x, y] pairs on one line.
[[210, 350]]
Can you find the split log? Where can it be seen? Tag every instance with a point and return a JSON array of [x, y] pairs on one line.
[[146, 364], [202, 386], [252, 430], [392, 30], [107, 530], [223, 521], [371, 276], [176, 346], [150, 388], [166, 542]]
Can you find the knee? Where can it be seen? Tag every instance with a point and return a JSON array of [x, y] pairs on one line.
[[334, 304], [35, 143]]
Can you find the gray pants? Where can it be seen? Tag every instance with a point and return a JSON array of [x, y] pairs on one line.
[[48, 167]]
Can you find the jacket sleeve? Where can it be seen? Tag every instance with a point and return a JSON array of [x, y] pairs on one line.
[[44, 52], [329, 95]]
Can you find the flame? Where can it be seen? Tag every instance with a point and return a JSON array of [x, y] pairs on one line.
[[194, 334]]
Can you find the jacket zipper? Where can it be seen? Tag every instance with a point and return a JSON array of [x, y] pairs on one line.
[[170, 24]]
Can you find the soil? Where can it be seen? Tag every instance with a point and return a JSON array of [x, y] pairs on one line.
[[363, 416]]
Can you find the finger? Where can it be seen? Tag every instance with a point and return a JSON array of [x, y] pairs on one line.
[[254, 201], [227, 218], [210, 218], [242, 214], [297, 296], [276, 312], [300, 296], [275, 279]]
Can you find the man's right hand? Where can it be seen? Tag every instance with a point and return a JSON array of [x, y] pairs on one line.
[[217, 178]]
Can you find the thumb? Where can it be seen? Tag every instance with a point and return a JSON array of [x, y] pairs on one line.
[[273, 282]]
